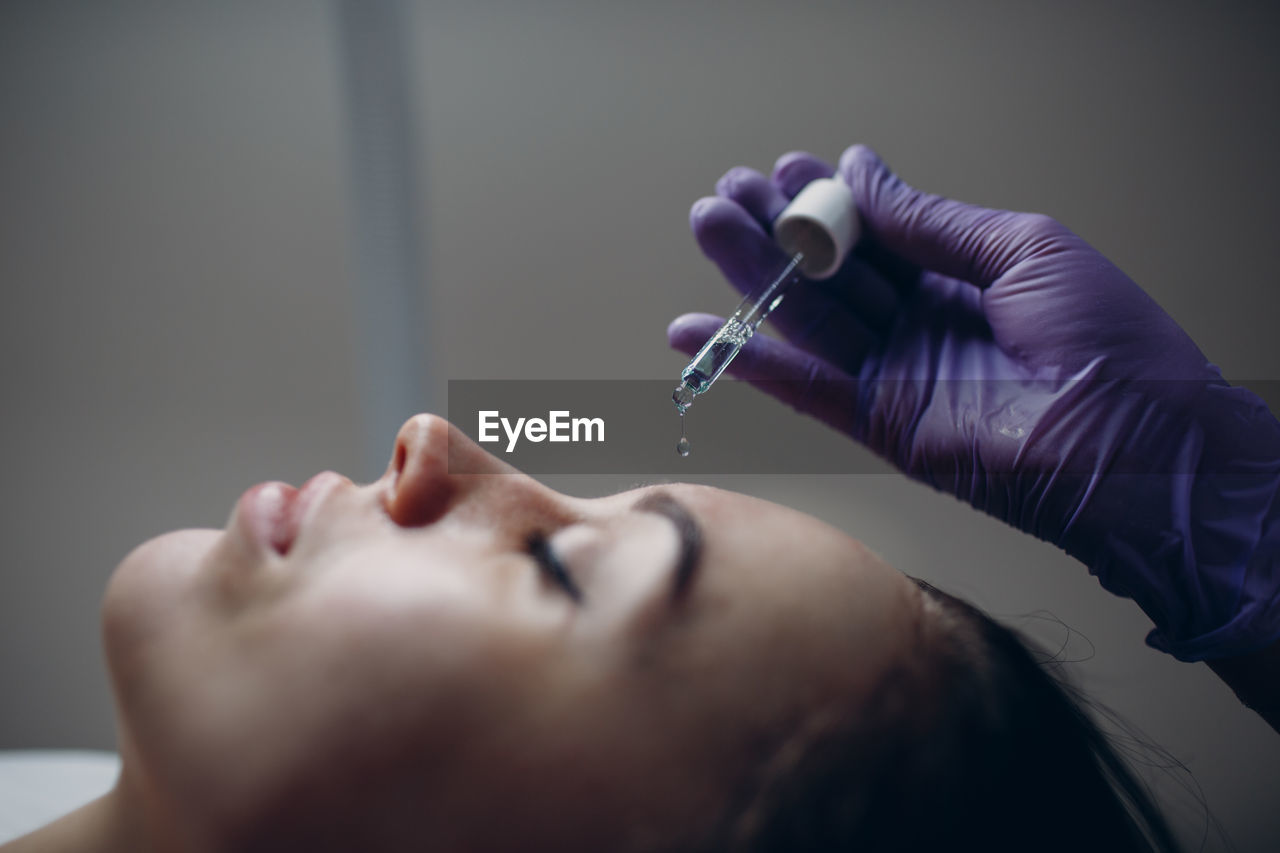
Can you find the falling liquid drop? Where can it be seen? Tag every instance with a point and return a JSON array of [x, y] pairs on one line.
[[682, 446]]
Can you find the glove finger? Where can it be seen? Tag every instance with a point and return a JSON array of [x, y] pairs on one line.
[[795, 170], [688, 332], [735, 242], [863, 292], [831, 330], [748, 257], [903, 275], [964, 241], [757, 195], [861, 288], [804, 381], [824, 327]]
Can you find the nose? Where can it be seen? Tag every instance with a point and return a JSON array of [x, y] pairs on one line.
[[433, 466]]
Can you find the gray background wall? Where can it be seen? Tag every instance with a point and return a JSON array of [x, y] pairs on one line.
[[175, 321]]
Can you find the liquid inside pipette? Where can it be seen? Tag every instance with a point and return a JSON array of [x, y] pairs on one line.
[[727, 342]]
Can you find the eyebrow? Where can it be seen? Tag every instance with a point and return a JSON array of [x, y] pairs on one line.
[[688, 531]]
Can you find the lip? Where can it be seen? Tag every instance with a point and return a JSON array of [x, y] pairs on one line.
[[275, 513], [263, 512]]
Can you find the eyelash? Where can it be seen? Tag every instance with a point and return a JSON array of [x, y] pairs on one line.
[[551, 567]]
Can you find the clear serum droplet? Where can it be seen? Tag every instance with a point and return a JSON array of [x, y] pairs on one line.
[[682, 446]]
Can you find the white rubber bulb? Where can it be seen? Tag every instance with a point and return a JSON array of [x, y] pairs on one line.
[[821, 222]]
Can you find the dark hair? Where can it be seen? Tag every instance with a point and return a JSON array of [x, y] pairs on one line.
[[969, 743]]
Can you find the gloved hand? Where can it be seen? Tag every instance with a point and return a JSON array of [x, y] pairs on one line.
[[997, 356]]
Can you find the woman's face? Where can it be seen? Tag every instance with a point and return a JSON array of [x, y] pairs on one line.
[[457, 655]]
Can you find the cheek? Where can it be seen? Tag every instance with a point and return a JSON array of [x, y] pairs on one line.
[[387, 664], [423, 650]]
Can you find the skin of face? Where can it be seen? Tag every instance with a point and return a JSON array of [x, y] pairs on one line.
[[391, 667]]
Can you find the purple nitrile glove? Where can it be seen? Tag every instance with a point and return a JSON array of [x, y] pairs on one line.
[[997, 356]]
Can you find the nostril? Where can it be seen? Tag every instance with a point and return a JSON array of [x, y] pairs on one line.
[[397, 460]]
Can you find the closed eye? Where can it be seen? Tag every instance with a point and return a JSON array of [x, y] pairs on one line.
[[551, 567]]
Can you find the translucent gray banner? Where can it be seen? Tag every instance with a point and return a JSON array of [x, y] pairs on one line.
[[995, 428]]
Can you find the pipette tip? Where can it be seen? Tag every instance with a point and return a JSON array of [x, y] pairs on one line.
[[683, 396]]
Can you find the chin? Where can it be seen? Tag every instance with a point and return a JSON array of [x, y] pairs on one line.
[[146, 589]]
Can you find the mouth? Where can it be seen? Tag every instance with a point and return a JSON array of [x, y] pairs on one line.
[[275, 514]]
